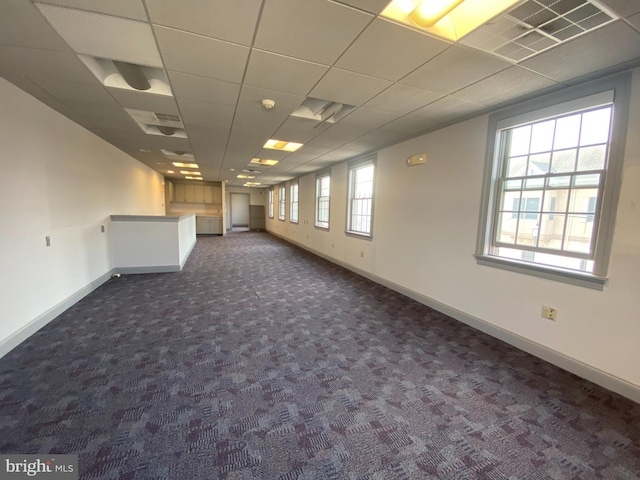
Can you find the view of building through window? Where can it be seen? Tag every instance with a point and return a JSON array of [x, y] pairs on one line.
[[293, 195], [361, 199], [550, 189], [322, 201], [282, 205]]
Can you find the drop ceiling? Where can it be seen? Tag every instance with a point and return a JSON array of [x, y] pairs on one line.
[[219, 59]]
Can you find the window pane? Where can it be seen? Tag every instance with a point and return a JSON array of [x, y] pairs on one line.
[[534, 183], [595, 127], [510, 201], [513, 184], [564, 161], [556, 201], [528, 231], [516, 166], [567, 132], [564, 181], [587, 180], [519, 141], [578, 233], [551, 231], [583, 200], [507, 228], [539, 164], [592, 158], [542, 136]]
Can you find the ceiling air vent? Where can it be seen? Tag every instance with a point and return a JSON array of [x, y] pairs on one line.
[[165, 124], [322, 111], [537, 25]]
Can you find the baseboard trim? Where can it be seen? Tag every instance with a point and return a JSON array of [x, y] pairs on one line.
[[16, 338], [149, 269], [588, 372]]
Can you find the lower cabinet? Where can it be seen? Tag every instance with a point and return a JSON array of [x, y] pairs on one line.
[[208, 225]]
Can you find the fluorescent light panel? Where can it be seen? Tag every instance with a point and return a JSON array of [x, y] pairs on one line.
[[282, 145], [452, 20], [262, 161], [185, 165]]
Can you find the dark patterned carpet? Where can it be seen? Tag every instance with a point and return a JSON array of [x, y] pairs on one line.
[[260, 360]]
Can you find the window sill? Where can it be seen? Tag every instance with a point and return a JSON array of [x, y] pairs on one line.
[[363, 236], [566, 276]]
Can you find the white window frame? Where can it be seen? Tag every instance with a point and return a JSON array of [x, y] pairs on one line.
[[282, 202], [270, 202], [549, 106], [320, 221], [361, 206], [294, 202]]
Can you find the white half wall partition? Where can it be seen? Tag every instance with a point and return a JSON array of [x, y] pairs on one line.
[[152, 243]]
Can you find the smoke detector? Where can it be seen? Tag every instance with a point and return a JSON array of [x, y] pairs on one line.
[[268, 104]]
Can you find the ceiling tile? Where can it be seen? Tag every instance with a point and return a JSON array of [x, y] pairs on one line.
[[327, 140], [251, 112], [401, 99], [231, 21], [382, 137], [608, 46], [282, 73], [409, 125], [453, 69], [27, 85], [203, 88], [367, 118], [372, 6], [80, 92], [16, 14], [35, 63], [448, 108], [96, 111], [210, 115], [133, 9], [348, 87], [300, 130], [104, 36], [320, 35], [509, 84], [389, 51], [624, 8], [635, 21], [188, 53], [144, 101]]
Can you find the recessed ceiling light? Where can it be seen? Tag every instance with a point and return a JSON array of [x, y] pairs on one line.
[[282, 145], [232, 169], [170, 171], [145, 150], [245, 176], [187, 172], [262, 161], [193, 178], [450, 19], [185, 165], [251, 184]]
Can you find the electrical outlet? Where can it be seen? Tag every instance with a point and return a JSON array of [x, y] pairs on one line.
[[101, 228], [549, 313], [361, 254], [47, 240]]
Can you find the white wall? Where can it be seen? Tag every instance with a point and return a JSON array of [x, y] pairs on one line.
[[62, 181], [425, 229]]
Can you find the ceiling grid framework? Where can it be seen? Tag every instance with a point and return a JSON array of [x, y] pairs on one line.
[[370, 81]]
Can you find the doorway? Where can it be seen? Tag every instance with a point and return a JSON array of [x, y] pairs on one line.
[[239, 212]]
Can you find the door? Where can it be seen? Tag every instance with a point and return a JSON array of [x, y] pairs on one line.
[[240, 210]]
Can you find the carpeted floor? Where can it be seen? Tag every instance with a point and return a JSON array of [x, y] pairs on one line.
[[262, 361]]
